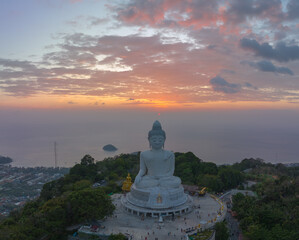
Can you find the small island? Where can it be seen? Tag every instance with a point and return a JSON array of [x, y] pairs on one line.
[[5, 160], [109, 148]]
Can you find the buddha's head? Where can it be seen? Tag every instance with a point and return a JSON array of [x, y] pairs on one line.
[[156, 136]]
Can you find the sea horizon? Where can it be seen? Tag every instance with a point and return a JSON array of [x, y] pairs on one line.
[[222, 137]]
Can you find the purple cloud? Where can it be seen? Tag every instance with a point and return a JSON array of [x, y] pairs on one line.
[[249, 85], [267, 66], [293, 9], [219, 84], [281, 52], [239, 11]]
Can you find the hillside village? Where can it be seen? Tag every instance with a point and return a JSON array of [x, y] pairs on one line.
[[19, 185]]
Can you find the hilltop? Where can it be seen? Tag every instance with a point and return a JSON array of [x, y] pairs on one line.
[[83, 195], [5, 160]]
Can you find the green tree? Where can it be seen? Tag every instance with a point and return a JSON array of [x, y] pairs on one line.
[[87, 160], [212, 182], [257, 232], [30, 207], [230, 177], [82, 184], [221, 231], [208, 168], [52, 189], [249, 163], [273, 216], [52, 217], [117, 237], [83, 171], [88, 204]]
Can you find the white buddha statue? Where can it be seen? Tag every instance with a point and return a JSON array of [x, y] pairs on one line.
[[157, 164]]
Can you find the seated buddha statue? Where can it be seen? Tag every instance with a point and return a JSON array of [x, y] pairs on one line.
[[157, 164]]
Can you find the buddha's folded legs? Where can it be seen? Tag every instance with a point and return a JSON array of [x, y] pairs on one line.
[[165, 182], [147, 182], [170, 182]]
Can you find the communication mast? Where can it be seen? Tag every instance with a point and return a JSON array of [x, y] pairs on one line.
[[55, 153]]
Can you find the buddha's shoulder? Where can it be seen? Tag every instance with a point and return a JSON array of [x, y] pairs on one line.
[[169, 153], [149, 153], [145, 153]]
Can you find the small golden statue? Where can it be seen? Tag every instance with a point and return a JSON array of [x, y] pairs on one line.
[[127, 184], [159, 198]]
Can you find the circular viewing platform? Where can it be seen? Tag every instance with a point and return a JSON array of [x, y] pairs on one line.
[[204, 213], [154, 212], [157, 201], [156, 197]]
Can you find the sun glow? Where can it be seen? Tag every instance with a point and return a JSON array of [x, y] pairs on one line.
[[110, 102]]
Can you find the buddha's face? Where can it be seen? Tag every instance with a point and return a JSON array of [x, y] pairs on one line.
[[157, 142]]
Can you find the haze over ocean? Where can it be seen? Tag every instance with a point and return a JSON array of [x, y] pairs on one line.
[[223, 74], [219, 136]]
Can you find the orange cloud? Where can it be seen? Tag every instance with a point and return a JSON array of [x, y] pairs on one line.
[[195, 41]]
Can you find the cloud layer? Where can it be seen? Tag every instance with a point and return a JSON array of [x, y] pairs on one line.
[[281, 52], [168, 51], [219, 84], [267, 66]]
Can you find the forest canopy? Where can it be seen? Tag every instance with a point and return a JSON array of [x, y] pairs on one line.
[[74, 199]]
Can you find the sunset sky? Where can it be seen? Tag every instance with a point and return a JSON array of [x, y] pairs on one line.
[[174, 54]]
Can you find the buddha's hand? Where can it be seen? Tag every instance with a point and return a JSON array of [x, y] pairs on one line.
[[137, 179]]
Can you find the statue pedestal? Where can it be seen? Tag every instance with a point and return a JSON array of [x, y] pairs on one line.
[[157, 201], [157, 197]]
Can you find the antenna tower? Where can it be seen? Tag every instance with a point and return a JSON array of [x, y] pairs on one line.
[[55, 153]]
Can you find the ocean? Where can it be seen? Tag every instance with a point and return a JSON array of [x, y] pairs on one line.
[[219, 136]]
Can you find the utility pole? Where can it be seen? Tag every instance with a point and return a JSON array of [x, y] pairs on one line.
[[55, 153]]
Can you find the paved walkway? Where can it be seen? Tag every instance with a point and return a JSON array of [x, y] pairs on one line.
[[235, 232], [151, 229], [235, 191]]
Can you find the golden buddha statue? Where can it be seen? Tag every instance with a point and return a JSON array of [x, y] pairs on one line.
[[127, 184]]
